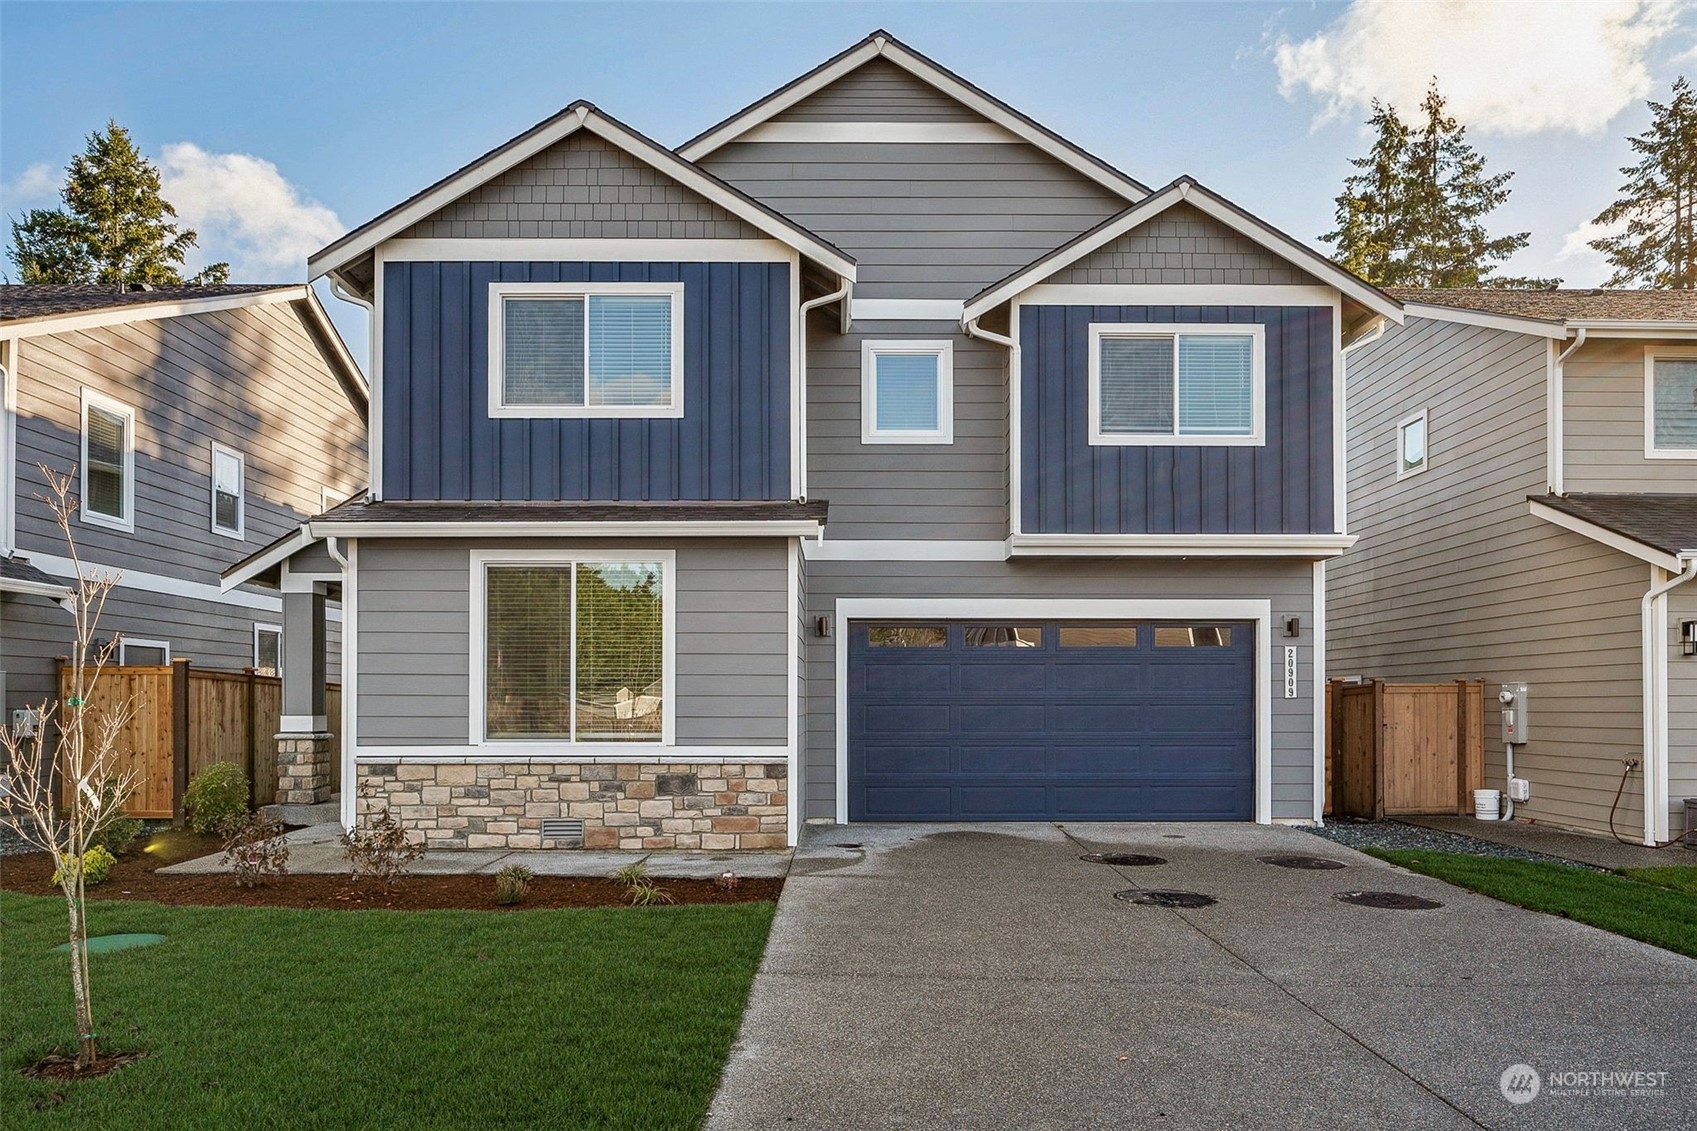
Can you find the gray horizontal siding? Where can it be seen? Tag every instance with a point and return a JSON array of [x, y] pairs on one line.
[[1183, 245], [957, 490], [582, 188], [1603, 418], [1682, 711], [878, 91], [1288, 585], [733, 632], [922, 220]]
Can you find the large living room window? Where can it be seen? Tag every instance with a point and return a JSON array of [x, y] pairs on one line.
[[1670, 424], [585, 349], [575, 651], [1189, 384]]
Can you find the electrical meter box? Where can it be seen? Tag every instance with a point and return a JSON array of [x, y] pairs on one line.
[[1516, 718]]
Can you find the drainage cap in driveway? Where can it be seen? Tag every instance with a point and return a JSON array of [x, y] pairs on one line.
[[1123, 859], [1390, 900], [1315, 863], [1165, 898]]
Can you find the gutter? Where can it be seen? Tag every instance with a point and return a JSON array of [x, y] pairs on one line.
[[1652, 628], [840, 294]]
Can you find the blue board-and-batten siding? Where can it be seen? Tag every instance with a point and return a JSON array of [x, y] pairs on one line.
[[733, 441], [1068, 486]]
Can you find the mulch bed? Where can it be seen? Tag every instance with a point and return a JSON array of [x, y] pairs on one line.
[[56, 1067], [134, 876]]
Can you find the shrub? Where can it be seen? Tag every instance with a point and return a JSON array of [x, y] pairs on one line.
[[378, 847], [96, 866], [117, 837], [255, 849], [512, 883], [217, 794], [644, 892]]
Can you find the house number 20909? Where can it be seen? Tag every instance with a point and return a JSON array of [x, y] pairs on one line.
[[1290, 672]]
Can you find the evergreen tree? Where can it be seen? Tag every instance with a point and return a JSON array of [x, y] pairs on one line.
[[115, 227], [1658, 205], [1414, 215]]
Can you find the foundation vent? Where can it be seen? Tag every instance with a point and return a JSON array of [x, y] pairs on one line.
[[564, 831]]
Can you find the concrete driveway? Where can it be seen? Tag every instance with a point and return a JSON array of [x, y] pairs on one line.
[[985, 977]]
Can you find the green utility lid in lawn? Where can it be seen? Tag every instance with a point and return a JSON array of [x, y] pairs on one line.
[[101, 944]]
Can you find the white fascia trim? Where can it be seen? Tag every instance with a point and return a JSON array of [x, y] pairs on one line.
[[156, 583], [440, 250], [968, 608], [1256, 437], [1607, 538], [1340, 435], [1539, 326], [1651, 451], [775, 528], [906, 309], [926, 72], [898, 550], [1635, 328], [1317, 689], [1180, 294], [562, 127], [597, 753], [943, 349], [241, 574], [147, 311], [34, 588], [1203, 201], [881, 133], [1180, 545]]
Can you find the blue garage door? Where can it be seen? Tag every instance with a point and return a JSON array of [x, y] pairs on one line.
[[1019, 721]]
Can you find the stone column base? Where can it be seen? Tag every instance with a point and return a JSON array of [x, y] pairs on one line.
[[303, 768]]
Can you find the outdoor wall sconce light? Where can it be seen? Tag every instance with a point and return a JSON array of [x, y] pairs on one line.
[[1293, 627], [822, 625], [1688, 637]]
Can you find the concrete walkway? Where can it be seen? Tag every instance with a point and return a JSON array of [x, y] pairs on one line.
[[985, 977], [1602, 851]]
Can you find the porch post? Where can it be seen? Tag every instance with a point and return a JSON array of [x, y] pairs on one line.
[[303, 739]]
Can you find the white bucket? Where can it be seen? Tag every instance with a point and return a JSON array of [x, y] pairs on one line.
[[1487, 804]]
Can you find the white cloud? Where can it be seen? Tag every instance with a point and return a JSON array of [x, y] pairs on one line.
[[1506, 66], [36, 187], [1578, 242], [245, 212]]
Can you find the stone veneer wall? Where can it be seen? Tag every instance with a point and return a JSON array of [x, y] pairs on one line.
[[624, 805]]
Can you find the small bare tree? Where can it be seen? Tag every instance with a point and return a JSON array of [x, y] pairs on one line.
[[69, 748]]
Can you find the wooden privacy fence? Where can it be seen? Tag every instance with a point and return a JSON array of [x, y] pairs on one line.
[[183, 719], [1404, 748]]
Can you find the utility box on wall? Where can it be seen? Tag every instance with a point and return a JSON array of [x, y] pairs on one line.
[[1516, 717]]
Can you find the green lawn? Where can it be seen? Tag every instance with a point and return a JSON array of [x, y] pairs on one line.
[[1679, 877], [605, 1018], [1648, 912]]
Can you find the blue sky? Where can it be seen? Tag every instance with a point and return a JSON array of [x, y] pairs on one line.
[[280, 124]]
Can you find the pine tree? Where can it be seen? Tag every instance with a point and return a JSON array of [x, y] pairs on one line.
[[1414, 216], [1658, 205], [115, 227]]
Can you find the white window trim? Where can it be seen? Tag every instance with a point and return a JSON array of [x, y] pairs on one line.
[[1425, 441], [545, 749], [1258, 383], [500, 292], [1651, 354], [944, 351], [92, 399], [260, 627], [125, 643], [240, 532], [8, 445]]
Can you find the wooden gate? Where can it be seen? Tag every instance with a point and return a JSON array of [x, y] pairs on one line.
[[1405, 748]]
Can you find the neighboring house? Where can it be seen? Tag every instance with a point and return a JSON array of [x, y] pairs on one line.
[[1523, 475], [876, 455], [200, 422]]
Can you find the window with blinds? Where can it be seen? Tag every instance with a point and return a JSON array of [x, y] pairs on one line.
[[106, 462], [1175, 384], [574, 652], [907, 392], [227, 491], [589, 350], [1673, 404]]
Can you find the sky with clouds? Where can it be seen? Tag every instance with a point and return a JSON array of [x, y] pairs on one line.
[[278, 125]]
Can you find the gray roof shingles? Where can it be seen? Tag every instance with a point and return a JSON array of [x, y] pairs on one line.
[[19, 569], [42, 300], [1663, 522], [1577, 304]]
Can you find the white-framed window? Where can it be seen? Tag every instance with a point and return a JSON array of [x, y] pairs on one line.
[[907, 392], [144, 653], [229, 491], [1178, 384], [108, 462], [586, 349], [1411, 445], [268, 649], [575, 648], [1670, 403]]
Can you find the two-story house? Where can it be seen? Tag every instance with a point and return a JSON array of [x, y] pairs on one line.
[[876, 455], [1523, 479], [199, 422]]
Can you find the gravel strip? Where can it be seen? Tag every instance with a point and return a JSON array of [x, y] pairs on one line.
[[11, 844], [1396, 835]]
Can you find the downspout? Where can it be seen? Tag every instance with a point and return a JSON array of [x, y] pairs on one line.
[[1655, 665], [1556, 440], [840, 294]]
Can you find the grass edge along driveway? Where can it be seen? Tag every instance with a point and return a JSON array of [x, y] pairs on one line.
[[593, 1018], [1649, 912]]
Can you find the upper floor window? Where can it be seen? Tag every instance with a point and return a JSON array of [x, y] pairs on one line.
[[1411, 445], [229, 475], [585, 349], [1670, 402], [1177, 384], [907, 392], [108, 462]]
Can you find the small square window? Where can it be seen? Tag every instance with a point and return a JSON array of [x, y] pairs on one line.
[[1671, 405], [1411, 445], [229, 476], [1179, 384], [907, 392], [585, 349]]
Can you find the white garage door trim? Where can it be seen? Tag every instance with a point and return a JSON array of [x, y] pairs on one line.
[[850, 609]]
